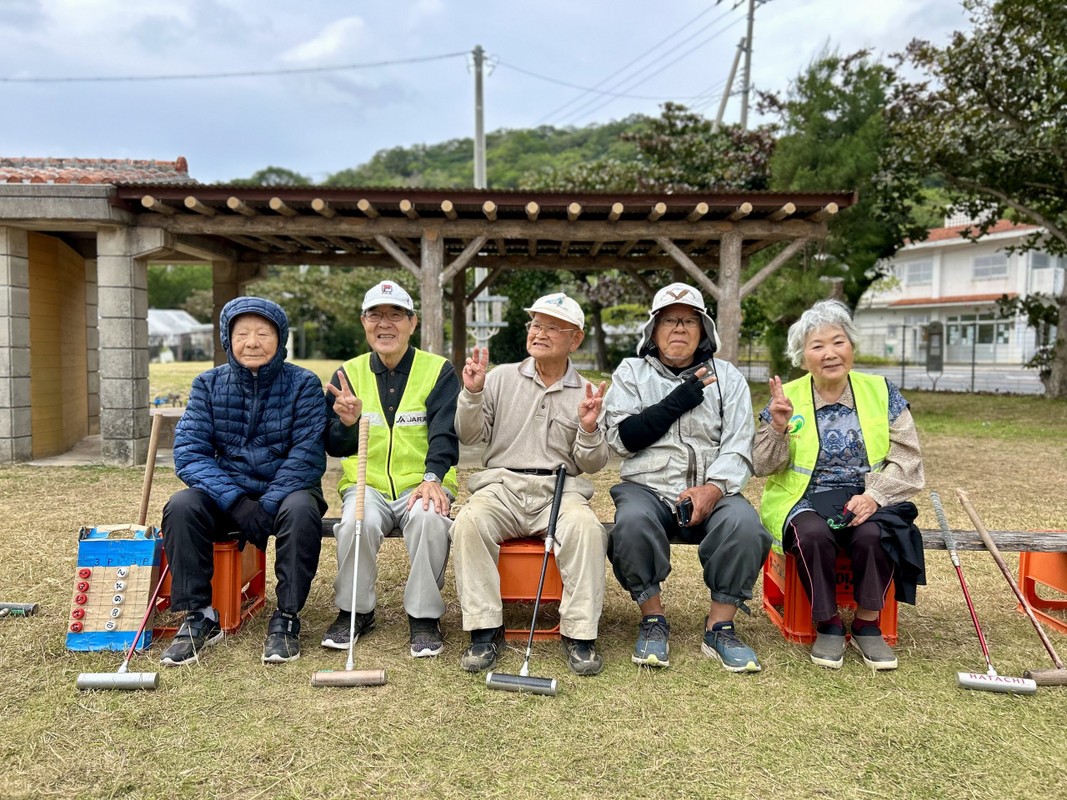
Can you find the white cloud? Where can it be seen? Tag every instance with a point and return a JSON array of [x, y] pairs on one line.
[[341, 38]]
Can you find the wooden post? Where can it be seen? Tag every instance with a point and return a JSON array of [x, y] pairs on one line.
[[432, 321], [728, 320], [459, 320]]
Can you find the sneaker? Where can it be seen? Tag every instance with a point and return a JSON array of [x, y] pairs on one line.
[[336, 636], [722, 643], [283, 638], [652, 649], [197, 632], [426, 639], [582, 657], [829, 648], [486, 645], [872, 647]]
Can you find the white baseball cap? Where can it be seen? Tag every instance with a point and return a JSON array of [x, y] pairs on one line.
[[388, 293], [560, 306], [678, 293]]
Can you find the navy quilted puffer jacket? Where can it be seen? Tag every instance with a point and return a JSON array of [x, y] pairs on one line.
[[257, 435]]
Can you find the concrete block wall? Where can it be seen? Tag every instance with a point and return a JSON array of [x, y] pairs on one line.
[[16, 441], [122, 296]]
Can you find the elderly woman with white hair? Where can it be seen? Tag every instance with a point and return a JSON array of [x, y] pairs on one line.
[[842, 455]]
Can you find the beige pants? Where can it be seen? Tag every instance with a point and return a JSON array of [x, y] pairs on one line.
[[496, 513]]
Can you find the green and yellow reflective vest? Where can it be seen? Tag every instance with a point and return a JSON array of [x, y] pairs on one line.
[[784, 489], [396, 456]]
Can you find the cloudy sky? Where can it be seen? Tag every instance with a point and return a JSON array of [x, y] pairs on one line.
[[80, 78]]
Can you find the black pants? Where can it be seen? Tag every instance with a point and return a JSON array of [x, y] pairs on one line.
[[815, 546], [192, 523]]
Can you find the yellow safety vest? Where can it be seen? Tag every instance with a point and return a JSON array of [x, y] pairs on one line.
[[784, 489], [396, 456]]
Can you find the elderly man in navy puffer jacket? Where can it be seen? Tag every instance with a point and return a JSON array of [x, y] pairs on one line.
[[250, 448]]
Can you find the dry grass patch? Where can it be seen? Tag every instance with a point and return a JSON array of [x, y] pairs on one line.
[[232, 727]]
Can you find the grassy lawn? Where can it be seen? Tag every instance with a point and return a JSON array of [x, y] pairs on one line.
[[231, 727]]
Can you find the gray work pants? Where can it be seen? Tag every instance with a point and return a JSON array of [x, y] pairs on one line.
[[426, 537], [732, 545]]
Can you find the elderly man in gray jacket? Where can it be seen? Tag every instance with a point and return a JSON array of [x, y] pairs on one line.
[[682, 421]]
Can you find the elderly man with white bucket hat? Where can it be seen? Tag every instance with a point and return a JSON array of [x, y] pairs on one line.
[[682, 421], [533, 416]]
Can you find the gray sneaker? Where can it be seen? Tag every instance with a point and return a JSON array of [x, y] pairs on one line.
[[875, 652], [829, 650]]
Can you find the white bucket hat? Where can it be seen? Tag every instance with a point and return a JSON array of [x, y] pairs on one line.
[[678, 293], [560, 306], [388, 293]]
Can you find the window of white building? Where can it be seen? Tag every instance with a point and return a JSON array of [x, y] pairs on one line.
[[917, 273], [1040, 260], [961, 329], [984, 268]]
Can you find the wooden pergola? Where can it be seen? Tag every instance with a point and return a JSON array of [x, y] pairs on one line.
[[437, 234]]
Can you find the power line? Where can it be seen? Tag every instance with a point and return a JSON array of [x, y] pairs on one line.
[[625, 66], [224, 75], [589, 89], [587, 110]]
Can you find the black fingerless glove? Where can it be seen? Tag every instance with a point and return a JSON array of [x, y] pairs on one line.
[[641, 430]]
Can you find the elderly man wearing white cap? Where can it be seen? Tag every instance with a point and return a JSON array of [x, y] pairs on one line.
[[682, 421], [410, 397], [532, 416]]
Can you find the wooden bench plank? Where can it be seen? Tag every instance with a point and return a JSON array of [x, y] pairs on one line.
[[1011, 541]]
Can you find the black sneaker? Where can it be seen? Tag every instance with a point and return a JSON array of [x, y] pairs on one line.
[[283, 638], [582, 657], [426, 639], [486, 645], [336, 636], [196, 633]]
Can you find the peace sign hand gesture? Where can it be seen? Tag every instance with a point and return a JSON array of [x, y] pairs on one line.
[[474, 370], [780, 408], [589, 408], [346, 405]]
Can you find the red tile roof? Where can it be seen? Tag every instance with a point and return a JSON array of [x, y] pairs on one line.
[[956, 232], [958, 298], [93, 170]]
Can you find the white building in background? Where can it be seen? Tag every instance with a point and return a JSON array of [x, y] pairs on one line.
[[951, 280]]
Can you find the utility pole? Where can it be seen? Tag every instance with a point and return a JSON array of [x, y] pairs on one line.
[[729, 87], [483, 327], [746, 83], [479, 119]]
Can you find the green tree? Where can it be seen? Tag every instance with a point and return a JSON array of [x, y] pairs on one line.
[[274, 176], [170, 285], [833, 137], [986, 115]]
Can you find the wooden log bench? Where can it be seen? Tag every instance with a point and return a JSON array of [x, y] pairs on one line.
[[1011, 541]]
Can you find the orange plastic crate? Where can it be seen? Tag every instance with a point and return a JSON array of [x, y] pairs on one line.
[[238, 587], [520, 568], [786, 604], [1050, 571]]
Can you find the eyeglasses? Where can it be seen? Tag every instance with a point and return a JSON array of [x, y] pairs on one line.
[[396, 315], [689, 323], [551, 331]]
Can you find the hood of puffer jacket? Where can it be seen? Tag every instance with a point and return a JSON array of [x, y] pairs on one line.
[[709, 342], [270, 311]]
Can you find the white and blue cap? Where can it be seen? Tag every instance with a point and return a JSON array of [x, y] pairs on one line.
[[561, 307], [388, 293]]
